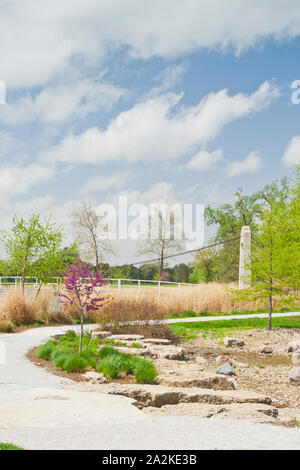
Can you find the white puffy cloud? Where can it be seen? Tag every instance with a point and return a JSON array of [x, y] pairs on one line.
[[251, 164], [291, 155], [169, 77], [58, 103], [204, 161], [18, 179], [153, 130], [103, 183], [7, 143], [38, 43]]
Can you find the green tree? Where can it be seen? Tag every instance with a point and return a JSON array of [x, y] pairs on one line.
[[33, 247], [230, 218], [204, 263], [275, 263]]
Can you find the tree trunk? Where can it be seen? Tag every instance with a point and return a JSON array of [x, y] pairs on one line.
[[161, 268], [38, 291], [81, 329], [270, 312]]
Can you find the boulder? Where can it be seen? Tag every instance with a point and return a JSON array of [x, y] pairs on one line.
[[294, 376], [223, 359], [296, 357], [266, 350], [293, 346], [174, 353], [102, 334], [226, 369], [95, 377], [126, 337], [159, 395], [232, 342], [158, 341], [200, 360]]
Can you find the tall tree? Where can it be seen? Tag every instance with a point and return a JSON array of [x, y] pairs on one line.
[[204, 265], [88, 224], [275, 256], [230, 218], [160, 237]]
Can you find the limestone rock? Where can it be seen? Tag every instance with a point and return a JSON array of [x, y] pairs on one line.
[[174, 353], [223, 359], [157, 395], [157, 341], [134, 351], [102, 334], [226, 369], [232, 342], [296, 357], [202, 380], [294, 376], [293, 346], [266, 350], [126, 337], [200, 360], [95, 377]]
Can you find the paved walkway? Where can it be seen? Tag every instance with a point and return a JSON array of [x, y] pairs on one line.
[[231, 317], [43, 411]]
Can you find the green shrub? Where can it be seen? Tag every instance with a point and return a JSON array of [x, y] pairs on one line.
[[145, 372], [111, 366], [106, 351], [7, 446], [61, 358], [75, 363], [70, 334], [91, 360], [45, 350]]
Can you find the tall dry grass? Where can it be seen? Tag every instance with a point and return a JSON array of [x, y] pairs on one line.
[[17, 310], [121, 307]]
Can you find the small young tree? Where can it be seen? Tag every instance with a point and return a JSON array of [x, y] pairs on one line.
[[32, 245], [81, 286]]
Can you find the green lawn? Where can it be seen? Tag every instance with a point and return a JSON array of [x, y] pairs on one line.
[[191, 314], [6, 446], [220, 328]]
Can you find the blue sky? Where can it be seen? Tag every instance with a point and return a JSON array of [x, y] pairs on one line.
[[183, 102]]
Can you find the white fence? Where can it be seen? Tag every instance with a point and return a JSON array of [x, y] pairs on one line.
[[141, 285]]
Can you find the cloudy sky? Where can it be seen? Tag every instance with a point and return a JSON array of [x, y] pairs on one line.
[[180, 100]]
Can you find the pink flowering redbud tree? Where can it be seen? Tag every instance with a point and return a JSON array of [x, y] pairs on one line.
[[81, 289]]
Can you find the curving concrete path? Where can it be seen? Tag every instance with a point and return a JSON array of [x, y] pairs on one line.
[[231, 317], [43, 411]]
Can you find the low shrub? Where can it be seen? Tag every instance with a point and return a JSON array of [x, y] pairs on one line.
[[6, 326], [75, 363], [45, 350], [110, 366], [107, 351], [60, 358], [145, 372]]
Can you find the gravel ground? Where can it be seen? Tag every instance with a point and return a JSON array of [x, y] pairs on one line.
[[266, 374], [43, 411]]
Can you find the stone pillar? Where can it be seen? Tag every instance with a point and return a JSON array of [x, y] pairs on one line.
[[245, 250]]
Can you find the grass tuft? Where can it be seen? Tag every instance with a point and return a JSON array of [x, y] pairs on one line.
[[145, 372]]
